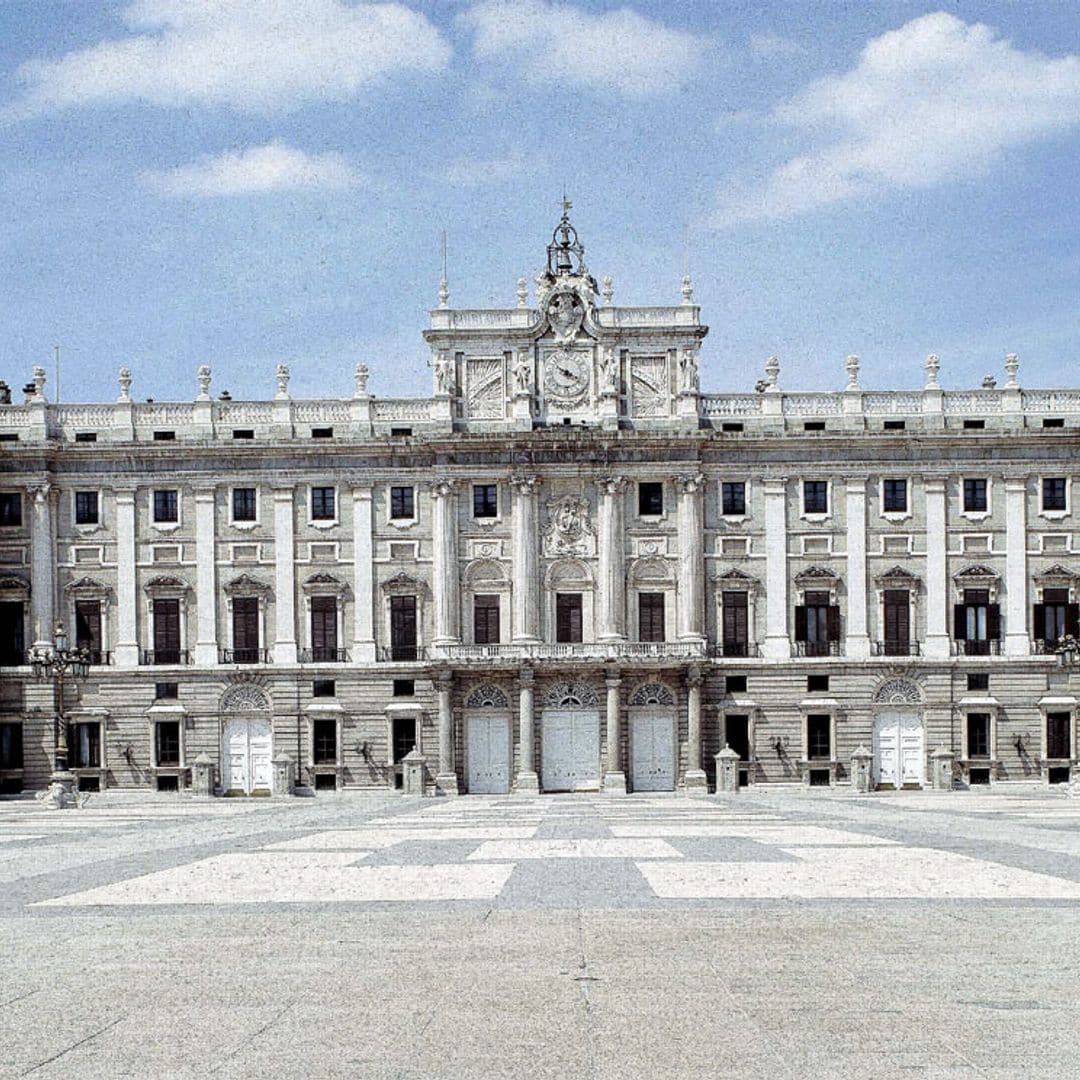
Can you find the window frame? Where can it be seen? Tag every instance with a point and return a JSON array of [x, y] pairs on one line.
[[76, 497], [895, 513], [491, 602], [744, 497], [816, 515], [646, 490], [8, 500], [482, 509], [244, 522], [401, 519], [323, 522], [657, 602], [166, 524], [973, 513], [1055, 513]]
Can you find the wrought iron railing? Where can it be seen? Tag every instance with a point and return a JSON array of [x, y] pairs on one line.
[[165, 656], [244, 656], [896, 647], [323, 655]]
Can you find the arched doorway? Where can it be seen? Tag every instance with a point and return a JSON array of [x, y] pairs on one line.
[[487, 741], [570, 738], [652, 738], [246, 741], [899, 742]]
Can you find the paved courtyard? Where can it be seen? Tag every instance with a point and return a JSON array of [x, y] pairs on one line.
[[774, 933]]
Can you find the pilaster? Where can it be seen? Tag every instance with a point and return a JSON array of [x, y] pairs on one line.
[[126, 651], [42, 564], [777, 644], [614, 777], [857, 642], [1016, 586], [445, 563], [694, 779], [526, 782], [691, 558], [284, 576], [206, 640], [612, 562], [363, 648], [446, 782], [937, 592], [526, 561]]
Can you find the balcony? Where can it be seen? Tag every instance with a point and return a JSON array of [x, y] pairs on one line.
[[575, 650], [323, 655], [990, 647], [244, 656], [817, 648], [404, 654], [896, 648], [165, 656], [735, 649]]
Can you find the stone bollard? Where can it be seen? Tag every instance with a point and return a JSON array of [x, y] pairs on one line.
[[860, 770], [942, 769], [283, 774], [413, 765], [727, 771], [202, 776]]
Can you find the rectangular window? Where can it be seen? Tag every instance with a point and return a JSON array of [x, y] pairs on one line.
[[84, 747], [244, 504], [568, 621], [324, 639], [734, 684], [402, 504], [166, 691], [166, 631], [894, 496], [402, 627], [733, 499], [322, 504], [404, 687], [167, 743], [11, 746], [818, 737], [88, 628], [817, 684], [245, 629], [1055, 617], [735, 631], [12, 633], [324, 742], [164, 436], [974, 496], [323, 688], [86, 436], [977, 622], [1054, 493], [893, 425], [978, 680], [815, 497], [817, 624], [897, 622], [978, 735], [651, 616], [86, 507], [1058, 743], [486, 619], [485, 500], [166, 506], [650, 497], [10, 508]]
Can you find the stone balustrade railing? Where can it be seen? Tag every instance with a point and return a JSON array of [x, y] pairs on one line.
[[600, 650]]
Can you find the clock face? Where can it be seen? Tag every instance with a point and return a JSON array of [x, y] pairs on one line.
[[566, 376]]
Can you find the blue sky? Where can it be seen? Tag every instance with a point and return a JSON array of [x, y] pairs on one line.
[[248, 182]]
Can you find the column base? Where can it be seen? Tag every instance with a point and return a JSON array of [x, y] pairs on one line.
[[447, 784], [206, 655], [937, 647], [527, 783], [857, 648], [285, 652], [696, 780], [615, 783], [363, 652], [776, 648], [1017, 645], [126, 656]]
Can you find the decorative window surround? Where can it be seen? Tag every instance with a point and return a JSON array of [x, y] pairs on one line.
[[244, 526], [174, 713], [569, 575], [651, 574], [324, 523], [402, 584], [816, 545], [818, 579], [977, 577], [500, 500], [733, 519], [167, 526], [408, 523], [896, 544], [816, 516], [1055, 515], [1055, 543], [484, 577], [976, 544], [1057, 704], [1057, 577], [92, 715], [895, 516], [977, 515]]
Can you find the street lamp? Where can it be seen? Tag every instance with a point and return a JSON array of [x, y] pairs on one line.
[[56, 662]]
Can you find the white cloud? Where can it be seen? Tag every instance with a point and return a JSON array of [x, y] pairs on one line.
[[473, 172], [562, 46], [936, 100], [258, 169], [255, 55]]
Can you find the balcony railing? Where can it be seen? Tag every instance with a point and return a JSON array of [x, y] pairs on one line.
[[991, 647], [1046, 646], [403, 654], [244, 656], [165, 656], [734, 649], [323, 655], [817, 648], [896, 647], [575, 650]]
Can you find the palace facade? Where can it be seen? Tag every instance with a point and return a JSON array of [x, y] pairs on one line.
[[568, 569]]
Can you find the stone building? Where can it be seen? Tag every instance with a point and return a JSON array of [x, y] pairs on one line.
[[568, 569]]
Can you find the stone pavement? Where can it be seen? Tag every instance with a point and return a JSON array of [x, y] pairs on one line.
[[774, 933]]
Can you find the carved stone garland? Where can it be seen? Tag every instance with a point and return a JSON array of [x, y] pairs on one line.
[[652, 694], [244, 698], [898, 692], [569, 695], [487, 696]]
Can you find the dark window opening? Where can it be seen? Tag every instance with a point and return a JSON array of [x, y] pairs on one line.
[[86, 507], [324, 636], [1058, 774], [244, 504], [166, 506], [86, 436], [814, 425], [974, 425], [1055, 618], [324, 742], [815, 496], [168, 783], [164, 436], [89, 783], [733, 499], [88, 628], [894, 496], [404, 687], [1053, 421], [735, 629], [245, 630], [323, 504], [978, 680], [167, 743], [975, 495], [401, 432], [485, 500], [650, 616], [1054, 493], [897, 622], [166, 691], [10, 508], [1058, 741], [734, 684], [323, 688], [402, 742], [894, 425], [817, 624], [11, 746], [737, 733], [817, 684], [732, 427], [486, 619], [818, 737], [403, 628], [402, 504], [978, 735], [568, 621], [978, 776], [819, 778], [166, 631], [243, 433], [650, 499], [12, 633], [322, 432], [84, 746]]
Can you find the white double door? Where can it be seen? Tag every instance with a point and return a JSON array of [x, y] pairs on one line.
[[488, 750], [652, 751], [247, 750], [570, 750], [898, 749]]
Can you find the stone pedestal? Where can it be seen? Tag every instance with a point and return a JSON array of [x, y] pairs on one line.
[[284, 774], [202, 776], [727, 771], [694, 779], [60, 794], [941, 769], [861, 781], [413, 767]]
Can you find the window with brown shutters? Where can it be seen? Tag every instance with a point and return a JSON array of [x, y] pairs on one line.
[[817, 624], [486, 619], [650, 616], [568, 621], [403, 627], [977, 623], [1058, 742], [12, 633], [166, 631], [897, 622], [88, 628], [1055, 618], [324, 638], [735, 632], [245, 629]]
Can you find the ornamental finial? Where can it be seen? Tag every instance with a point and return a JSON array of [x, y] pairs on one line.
[[933, 366], [282, 376], [1012, 366], [772, 373], [203, 377], [687, 289], [852, 366], [124, 379], [608, 290], [522, 292]]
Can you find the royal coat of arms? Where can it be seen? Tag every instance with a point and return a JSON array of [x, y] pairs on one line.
[[569, 530]]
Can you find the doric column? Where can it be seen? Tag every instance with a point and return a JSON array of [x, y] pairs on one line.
[[126, 650], [777, 644], [937, 592], [363, 576], [695, 775], [446, 780], [284, 576], [206, 640], [42, 566], [614, 777], [1016, 587], [612, 592], [445, 564], [526, 561], [691, 558], [527, 780], [857, 643]]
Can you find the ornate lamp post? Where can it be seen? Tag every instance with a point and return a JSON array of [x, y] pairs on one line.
[[56, 662]]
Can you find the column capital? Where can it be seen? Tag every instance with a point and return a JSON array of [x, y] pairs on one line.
[[525, 484], [444, 486], [39, 490], [690, 483], [612, 485], [693, 675], [444, 681], [1016, 482], [612, 678], [526, 678], [856, 485], [774, 485], [283, 491], [935, 485], [361, 489]]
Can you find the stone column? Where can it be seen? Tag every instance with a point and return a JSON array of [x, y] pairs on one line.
[[284, 576], [527, 781], [126, 650], [446, 782], [1016, 584], [857, 643], [363, 576], [612, 568], [42, 566], [614, 777], [691, 559], [206, 639], [694, 778], [937, 590], [526, 561], [777, 645], [445, 564]]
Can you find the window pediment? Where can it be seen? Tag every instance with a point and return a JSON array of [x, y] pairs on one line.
[[246, 585], [14, 585], [971, 577], [651, 569], [403, 584], [817, 575], [166, 586], [898, 578], [1056, 575], [569, 574], [324, 585]]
